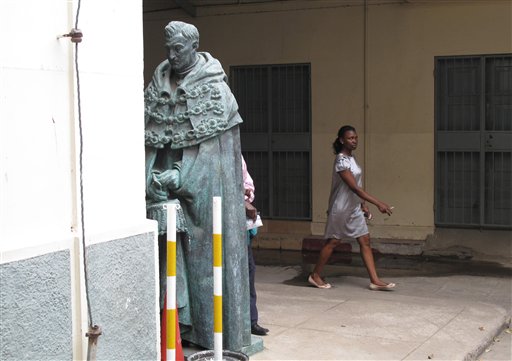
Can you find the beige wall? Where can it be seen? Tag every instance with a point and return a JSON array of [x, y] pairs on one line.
[[397, 138]]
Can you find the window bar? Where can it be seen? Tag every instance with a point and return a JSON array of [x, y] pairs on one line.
[[253, 99], [463, 187], [455, 186], [297, 81], [283, 92], [270, 151], [244, 87], [471, 188], [281, 71], [445, 187], [441, 207], [464, 92], [492, 185], [508, 208], [289, 190], [296, 99], [264, 106], [287, 98], [443, 124], [460, 195], [300, 190], [444, 180], [501, 189], [451, 194], [261, 93], [482, 141]]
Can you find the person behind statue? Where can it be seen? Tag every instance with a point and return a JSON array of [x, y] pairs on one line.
[[193, 154], [252, 213]]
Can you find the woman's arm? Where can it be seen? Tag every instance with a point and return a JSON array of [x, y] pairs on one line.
[[348, 178]]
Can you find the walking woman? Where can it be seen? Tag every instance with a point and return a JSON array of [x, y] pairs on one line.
[[347, 211]]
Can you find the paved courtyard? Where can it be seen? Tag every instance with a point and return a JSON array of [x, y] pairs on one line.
[[442, 309]]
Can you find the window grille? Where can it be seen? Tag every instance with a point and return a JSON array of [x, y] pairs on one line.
[[275, 103], [474, 141]]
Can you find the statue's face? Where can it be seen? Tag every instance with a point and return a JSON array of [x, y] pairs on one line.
[[181, 52]]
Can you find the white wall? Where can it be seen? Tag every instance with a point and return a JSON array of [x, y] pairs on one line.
[[39, 143], [35, 123], [111, 63], [38, 123]]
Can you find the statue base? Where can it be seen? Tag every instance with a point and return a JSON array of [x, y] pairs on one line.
[[255, 346]]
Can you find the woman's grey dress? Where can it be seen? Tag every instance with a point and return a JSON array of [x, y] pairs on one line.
[[345, 219]]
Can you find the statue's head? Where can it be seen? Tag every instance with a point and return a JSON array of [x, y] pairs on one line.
[[181, 42]]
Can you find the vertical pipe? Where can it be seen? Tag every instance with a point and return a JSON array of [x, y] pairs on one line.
[[171, 284], [217, 278], [79, 306]]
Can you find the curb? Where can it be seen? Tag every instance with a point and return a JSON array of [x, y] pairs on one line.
[[489, 339]]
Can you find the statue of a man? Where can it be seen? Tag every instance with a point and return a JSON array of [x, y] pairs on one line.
[[193, 154]]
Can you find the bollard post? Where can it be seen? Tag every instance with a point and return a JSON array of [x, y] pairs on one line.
[[171, 284], [217, 354], [217, 278]]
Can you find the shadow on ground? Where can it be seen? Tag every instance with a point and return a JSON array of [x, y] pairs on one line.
[[388, 266]]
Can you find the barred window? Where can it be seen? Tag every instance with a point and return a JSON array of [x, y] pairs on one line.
[[474, 141], [275, 103]]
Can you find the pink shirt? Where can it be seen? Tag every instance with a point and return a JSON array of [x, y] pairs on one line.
[[248, 182]]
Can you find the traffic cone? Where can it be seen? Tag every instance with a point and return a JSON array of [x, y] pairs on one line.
[[163, 346]]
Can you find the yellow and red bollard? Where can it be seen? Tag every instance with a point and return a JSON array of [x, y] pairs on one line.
[[171, 340]]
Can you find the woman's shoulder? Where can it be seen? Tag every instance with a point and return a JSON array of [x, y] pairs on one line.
[[341, 155], [342, 162]]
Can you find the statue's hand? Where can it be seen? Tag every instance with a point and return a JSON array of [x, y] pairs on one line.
[[155, 191], [169, 179]]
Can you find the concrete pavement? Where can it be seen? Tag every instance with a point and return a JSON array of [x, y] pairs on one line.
[[442, 309], [432, 316]]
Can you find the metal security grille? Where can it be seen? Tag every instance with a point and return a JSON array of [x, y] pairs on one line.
[[474, 141], [275, 103]]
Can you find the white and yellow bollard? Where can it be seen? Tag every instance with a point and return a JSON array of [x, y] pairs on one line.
[[217, 278], [171, 284]]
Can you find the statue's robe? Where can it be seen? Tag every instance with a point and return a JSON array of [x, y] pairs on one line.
[[197, 124]]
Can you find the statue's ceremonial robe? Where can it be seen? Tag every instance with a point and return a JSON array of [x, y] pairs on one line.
[[196, 124]]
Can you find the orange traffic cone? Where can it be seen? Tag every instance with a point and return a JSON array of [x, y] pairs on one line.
[[163, 346]]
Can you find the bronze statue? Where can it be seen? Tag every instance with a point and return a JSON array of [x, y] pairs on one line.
[[193, 154]]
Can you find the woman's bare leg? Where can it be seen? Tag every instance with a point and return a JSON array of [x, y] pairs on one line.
[[369, 262], [324, 256]]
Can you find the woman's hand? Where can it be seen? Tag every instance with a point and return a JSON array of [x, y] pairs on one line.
[[366, 211], [384, 208]]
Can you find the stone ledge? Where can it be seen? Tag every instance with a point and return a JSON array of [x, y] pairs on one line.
[[402, 247]]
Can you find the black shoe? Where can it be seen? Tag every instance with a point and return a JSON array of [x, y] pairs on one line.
[[258, 330]]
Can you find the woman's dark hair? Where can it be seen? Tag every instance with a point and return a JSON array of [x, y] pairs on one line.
[[337, 146]]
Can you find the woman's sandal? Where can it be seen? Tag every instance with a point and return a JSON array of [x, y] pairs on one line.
[[387, 287], [313, 282]]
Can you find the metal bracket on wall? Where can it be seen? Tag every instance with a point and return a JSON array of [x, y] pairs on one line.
[[76, 35], [93, 334]]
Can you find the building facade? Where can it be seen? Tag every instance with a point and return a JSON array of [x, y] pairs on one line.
[[411, 76]]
